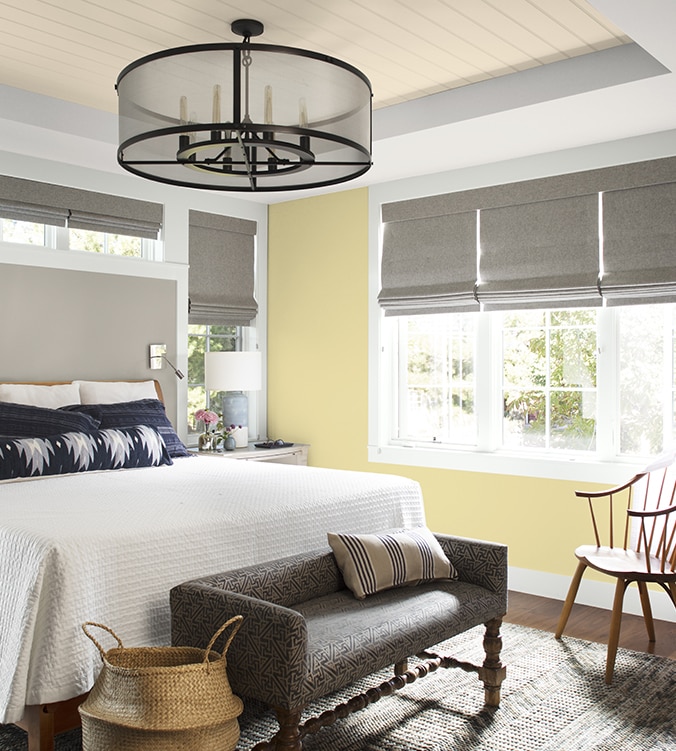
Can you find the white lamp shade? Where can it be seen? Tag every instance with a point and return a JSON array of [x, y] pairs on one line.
[[232, 371]]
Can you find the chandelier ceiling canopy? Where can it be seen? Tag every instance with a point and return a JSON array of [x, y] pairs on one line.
[[244, 117]]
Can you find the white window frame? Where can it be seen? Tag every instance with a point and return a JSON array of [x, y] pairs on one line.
[[58, 238], [487, 456]]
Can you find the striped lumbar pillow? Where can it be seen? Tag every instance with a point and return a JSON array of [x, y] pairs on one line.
[[373, 562]]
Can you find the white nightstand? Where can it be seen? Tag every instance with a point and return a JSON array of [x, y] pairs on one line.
[[296, 454]]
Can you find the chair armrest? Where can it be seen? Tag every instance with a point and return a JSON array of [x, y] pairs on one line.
[[266, 659], [593, 494], [652, 512], [477, 561]]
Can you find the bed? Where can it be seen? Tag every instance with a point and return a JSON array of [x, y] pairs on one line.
[[107, 545]]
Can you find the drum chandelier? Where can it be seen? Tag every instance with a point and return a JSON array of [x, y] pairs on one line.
[[244, 117]]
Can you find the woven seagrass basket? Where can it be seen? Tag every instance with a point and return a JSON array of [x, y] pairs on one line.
[[161, 698]]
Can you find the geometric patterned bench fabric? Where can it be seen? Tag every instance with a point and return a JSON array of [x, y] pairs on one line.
[[305, 635]]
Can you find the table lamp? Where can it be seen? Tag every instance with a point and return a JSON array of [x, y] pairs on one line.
[[234, 373]]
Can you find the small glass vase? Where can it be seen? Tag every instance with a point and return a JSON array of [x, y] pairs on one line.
[[207, 442], [229, 443]]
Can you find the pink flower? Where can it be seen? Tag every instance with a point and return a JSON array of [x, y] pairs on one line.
[[206, 416]]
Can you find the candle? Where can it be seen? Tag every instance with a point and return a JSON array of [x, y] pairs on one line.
[[216, 113], [302, 112], [268, 105], [183, 109]]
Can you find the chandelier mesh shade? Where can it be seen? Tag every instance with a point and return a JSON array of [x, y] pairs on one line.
[[244, 117]]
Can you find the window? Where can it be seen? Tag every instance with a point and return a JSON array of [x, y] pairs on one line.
[[65, 218], [16, 231], [594, 383], [437, 375], [201, 339], [549, 380], [61, 238], [102, 242]]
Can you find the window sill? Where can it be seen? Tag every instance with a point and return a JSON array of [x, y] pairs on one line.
[[578, 469]]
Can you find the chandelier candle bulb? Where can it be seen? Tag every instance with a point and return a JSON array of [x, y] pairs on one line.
[[184, 138], [216, 111], [268, 105], [216, 108], [302, 112]]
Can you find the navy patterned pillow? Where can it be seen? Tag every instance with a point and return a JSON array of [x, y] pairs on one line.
[[113, 448], [141, 412], [26, 421]]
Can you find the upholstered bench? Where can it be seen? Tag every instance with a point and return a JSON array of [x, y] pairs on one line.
[[305, 634]]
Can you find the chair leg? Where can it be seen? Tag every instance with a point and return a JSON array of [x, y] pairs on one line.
[[570, 598], [672, 592], [614, 633], [647, 610]]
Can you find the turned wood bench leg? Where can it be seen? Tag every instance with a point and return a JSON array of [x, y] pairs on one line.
[[492, 672], [289, 736]]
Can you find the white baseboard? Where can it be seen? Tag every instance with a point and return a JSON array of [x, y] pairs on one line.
[[595, 593]]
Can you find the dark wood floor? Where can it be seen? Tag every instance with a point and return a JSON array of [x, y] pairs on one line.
[[591, 624]]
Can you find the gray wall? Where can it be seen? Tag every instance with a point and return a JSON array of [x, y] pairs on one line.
[[59, 325]]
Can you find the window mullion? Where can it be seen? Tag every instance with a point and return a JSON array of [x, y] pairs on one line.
[[607, 386], [667, 376], [488, 381]]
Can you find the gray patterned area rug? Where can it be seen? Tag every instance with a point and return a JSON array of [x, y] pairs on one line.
[[554, 699]]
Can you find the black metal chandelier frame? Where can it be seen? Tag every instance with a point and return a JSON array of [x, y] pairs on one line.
[[242, 150]]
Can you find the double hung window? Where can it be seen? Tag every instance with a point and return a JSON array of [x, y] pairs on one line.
[[591, 383]]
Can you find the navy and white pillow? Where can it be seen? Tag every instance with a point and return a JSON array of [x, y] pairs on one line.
[[112, 448], [27, 421], [141, 412]]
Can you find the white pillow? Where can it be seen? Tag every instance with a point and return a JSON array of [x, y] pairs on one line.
[[52, 397], [113, 392]]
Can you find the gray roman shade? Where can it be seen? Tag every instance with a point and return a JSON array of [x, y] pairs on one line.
[[221, 277], [29, 200], [639, 245], [540, 255], [428, 263], [539, 244]]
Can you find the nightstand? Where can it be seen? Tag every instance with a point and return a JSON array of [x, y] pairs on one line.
[[296, 454]]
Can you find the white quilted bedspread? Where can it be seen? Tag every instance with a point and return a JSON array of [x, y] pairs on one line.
[[108, 546]]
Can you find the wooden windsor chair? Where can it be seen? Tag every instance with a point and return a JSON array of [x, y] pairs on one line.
[[639, 546]]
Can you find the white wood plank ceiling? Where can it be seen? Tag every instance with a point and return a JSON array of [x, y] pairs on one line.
[[74, 49]]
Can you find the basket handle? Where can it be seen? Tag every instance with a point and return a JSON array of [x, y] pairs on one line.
[[237, 619], [105, 628]]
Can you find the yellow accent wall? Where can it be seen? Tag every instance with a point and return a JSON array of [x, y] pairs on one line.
[[318, 393]]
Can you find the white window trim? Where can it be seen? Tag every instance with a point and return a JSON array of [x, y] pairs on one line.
[[487, 457]]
